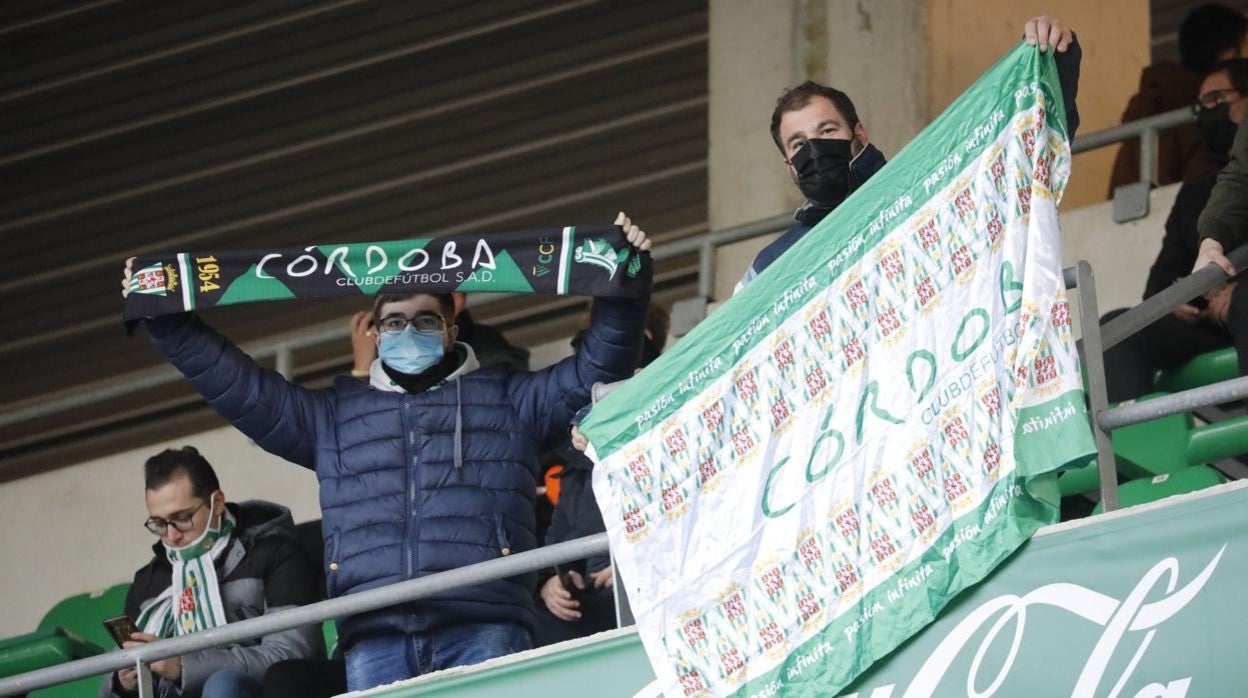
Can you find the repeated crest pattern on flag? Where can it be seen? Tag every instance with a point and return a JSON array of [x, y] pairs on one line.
[[809, 476]]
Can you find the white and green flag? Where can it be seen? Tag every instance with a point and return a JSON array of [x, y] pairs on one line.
[[870, 427]]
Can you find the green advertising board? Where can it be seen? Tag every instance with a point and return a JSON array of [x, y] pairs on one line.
[[1142, 603]]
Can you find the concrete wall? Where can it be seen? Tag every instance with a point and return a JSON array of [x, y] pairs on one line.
[[903, 62], [873, 51], [1114, 35], [1120, 255]]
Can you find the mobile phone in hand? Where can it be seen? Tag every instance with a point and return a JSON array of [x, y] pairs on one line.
[[121, 628]]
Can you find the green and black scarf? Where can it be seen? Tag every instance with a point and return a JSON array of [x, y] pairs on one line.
[[587, 260]]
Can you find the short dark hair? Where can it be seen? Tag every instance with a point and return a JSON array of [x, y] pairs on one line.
[[796, 99], [657, 324], [446, 304], [1207, 32], [166, 465], [1236, 73]]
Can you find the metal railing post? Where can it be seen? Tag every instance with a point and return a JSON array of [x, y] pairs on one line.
[[706, 268], [143, 673], [1148, 156], [282, 362], [1098, 396]]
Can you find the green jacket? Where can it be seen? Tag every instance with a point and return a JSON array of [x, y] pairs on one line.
[[1225, 217]]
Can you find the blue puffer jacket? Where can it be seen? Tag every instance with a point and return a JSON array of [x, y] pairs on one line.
[[415, 484]]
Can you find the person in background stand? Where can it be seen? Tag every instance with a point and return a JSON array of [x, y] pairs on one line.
[[578, 599], [1201, 325], [1210, 33]]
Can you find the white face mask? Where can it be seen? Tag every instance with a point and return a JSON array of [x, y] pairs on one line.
[[203, 542]]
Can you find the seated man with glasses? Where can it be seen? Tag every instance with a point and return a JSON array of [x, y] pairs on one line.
[[215, 563], [430, 466], [1203, 324]]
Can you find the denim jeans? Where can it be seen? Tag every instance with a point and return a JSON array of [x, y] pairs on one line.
[[231, 684], [382, 659]]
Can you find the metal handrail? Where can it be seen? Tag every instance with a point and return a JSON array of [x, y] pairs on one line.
[[704, 246], [1133, 129], [1175, 403], [1145, 129], [351, 604], [1160, 304]]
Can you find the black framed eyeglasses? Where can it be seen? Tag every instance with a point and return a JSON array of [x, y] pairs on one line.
[[424, 323], [1214, 99], [180, 521]]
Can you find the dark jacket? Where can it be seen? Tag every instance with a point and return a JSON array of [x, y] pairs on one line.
[[577, 514], [1181, 152], [1181, 241], [263, 571], [413, 484], [1225, 217], [872, 160]]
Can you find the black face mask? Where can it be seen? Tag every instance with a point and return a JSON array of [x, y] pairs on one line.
[[822, 166], [1217, 128]]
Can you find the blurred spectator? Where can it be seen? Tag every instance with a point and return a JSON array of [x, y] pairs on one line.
[[1224, 222], [1210, 33], [578, 598], [1199, 326], [215, 563], [309, 678], [489, 345], [306, 678]]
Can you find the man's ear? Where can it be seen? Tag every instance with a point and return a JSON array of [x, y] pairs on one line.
[[452, 332], [860, 133]]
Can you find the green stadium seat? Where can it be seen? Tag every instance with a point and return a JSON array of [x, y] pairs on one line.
[[1153, 489], [1205, 369], [41, 649], [70, 630], [83, 613], [1142, 450], [330, 630]]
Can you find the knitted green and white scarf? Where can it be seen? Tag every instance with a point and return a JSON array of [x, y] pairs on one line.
[[194, 586]]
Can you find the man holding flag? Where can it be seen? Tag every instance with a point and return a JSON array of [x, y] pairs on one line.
[[429, 467], [828, 152], [874, 423]]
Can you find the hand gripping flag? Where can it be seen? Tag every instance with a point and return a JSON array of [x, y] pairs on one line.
[[874, 424]]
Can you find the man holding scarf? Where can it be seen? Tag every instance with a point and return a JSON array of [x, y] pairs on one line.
[[430, 466], [829, 154], [215, 563]]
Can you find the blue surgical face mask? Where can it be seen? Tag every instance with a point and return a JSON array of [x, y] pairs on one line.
[[410, 351]]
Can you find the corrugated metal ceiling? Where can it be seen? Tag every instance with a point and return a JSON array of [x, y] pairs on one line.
[[141, 125]]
